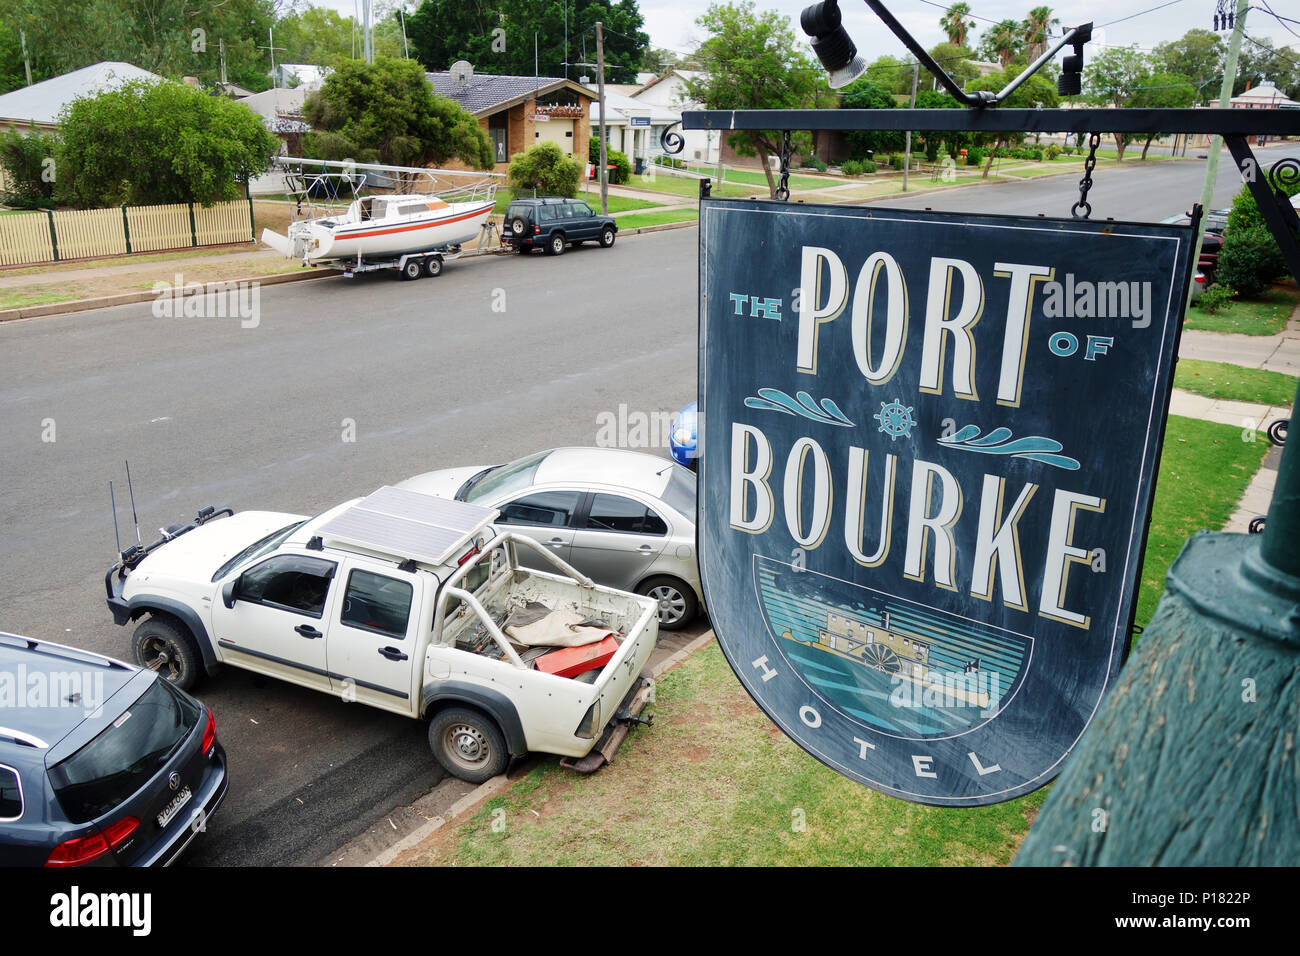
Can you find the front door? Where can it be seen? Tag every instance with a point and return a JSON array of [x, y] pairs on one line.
[[278, 622]]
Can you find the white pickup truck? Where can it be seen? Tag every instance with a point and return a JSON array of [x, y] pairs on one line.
[[405, 602]]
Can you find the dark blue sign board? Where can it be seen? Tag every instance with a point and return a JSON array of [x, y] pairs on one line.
[[929, 444]]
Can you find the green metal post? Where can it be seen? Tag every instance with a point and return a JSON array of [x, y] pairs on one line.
[[126, 229], [54, 238], [194, 234], [1193, 759]]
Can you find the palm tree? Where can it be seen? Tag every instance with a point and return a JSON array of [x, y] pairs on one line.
[[1004, 40], [954, 23], [1038, 25]]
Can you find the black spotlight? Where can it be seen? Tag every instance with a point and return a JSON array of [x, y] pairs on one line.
[[1070, 82], [831, 43]]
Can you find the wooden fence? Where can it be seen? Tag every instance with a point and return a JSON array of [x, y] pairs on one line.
[[84, 233]]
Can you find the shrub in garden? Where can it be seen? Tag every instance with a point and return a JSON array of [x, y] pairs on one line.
[[546, 169], [1214, 299], [974, 157]]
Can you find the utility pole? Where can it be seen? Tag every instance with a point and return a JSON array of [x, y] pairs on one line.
[[366, 34], [600, 85], [1216, 141], [221, 53], [406, 52], [27, 61], [907, 146], [270, 45]]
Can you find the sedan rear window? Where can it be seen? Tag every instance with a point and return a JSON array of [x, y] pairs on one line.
[[125, 756]]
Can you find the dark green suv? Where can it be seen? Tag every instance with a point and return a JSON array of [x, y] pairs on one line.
[[552, 223]]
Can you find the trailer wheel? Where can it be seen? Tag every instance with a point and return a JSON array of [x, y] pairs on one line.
[[433, 266], [412, 269], [468, 744]]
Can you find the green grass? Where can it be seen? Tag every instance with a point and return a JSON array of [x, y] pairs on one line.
[[1235, 382], [1204, 469], [24, 299], [638, 219], [681, 186], [715, 783], [758, 178], [616, 203], [1265, 315]]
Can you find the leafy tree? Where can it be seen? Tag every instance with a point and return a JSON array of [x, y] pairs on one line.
[[659, 61], [160, 142], [497, 37], [1162, 91], [1113, 78], [933, 140], [387, 112], [1197, 55], [1037, 90], [957, 24], [862, 94], [890, 74], [1003, 41], [1261, 62], [29, 168], [754, 61], [546, 169], [1251, 260], [1038, 26], [172, 38], [956, 61]]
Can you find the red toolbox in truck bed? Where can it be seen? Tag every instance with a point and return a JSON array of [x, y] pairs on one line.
[[572, 661]]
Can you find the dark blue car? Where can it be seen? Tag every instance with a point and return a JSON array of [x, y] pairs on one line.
[[101, 763], [683, 437]]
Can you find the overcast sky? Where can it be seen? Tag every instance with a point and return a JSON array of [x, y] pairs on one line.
[[671, 23]]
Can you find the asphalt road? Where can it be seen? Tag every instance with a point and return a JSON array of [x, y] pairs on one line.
[[498, 357]]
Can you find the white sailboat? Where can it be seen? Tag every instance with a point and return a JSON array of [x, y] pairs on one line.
[[381, 227]]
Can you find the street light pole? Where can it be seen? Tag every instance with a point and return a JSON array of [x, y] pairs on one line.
[[907, 146]]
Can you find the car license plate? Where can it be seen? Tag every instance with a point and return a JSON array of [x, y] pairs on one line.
[[170, 811]]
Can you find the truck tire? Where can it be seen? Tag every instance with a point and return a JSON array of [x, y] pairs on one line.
[[555, 245], [677, 602], [412, 269], [468, 744], [163, 645]]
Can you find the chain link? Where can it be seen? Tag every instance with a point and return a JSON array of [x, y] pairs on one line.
[[1083, 209], [783, 190]]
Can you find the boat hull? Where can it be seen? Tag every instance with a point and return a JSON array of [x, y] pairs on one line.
[[380, 238]]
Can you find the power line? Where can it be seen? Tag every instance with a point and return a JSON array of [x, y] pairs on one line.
[[1279, 18], [1140, 13]]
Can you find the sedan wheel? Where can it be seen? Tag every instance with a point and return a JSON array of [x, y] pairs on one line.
[[677, 603]]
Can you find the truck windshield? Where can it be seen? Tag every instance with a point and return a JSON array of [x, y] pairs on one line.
[[504, 478], [258, 548], [126, 755]]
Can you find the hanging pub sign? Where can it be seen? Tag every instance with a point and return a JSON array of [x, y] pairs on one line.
[[929, 444]]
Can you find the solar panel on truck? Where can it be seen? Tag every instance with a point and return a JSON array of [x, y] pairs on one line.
[[409, 524]]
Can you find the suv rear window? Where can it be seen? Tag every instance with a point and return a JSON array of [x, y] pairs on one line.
[[126, 755], [11, 795]]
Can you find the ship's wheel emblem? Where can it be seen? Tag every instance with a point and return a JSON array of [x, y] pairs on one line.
[[896, 420]]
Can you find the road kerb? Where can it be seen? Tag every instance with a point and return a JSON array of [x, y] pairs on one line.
[[498, 783]]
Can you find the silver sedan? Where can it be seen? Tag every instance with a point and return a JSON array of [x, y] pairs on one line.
[[625, 518]]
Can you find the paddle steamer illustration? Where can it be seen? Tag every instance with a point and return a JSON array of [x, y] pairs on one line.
[[901, 666]]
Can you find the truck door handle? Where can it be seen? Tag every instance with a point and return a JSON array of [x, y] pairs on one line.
[[306, 630], [392, 653]]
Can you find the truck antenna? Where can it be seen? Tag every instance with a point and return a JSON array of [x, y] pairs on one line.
[[131, 491], [117, 538]]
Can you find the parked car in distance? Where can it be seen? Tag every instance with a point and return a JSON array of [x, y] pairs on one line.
[[551, 223], [623, 517], [108, 766]]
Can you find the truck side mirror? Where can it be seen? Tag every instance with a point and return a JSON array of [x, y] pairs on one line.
[[228, 592]]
